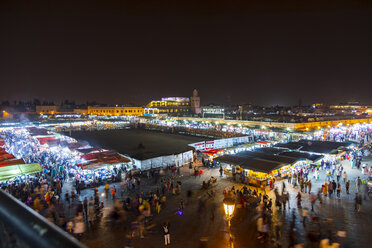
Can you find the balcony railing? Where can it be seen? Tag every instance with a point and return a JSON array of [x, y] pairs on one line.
[[22, 227]]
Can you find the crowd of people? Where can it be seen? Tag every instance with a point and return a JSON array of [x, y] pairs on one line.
[[336, 182], [43, 191], [318, 228], [133, 207]]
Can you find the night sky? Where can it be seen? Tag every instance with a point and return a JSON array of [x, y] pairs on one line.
[[232, 51]]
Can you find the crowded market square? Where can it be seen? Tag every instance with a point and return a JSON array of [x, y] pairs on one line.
[[305, 192]]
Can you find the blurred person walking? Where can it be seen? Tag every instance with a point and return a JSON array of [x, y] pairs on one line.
[[166, 233]]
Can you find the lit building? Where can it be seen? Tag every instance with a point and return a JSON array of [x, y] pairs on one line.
[[318, 105], [171, 106], [47, 109], [115, 111], [151, 111], [354, 107], [175, 105], [296, 126], [5, 115], [81, 111], [214, 112]]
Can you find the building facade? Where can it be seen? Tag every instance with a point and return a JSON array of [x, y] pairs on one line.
[[176, 106], [170, 106], [353, 107], [115, 111], [214, 112], [47, 109], [304, 126]]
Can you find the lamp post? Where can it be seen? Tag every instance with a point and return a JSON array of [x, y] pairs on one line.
[[229, 207]]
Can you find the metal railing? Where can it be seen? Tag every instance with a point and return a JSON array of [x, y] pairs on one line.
[[22, 227]]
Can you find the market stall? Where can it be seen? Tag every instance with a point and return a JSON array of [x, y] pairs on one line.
[[263, 144], [256, 172], [11, 171], [213, 152], [252, 171]]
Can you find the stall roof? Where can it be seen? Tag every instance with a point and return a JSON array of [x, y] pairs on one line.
[[262, 161], [89, 150], [325, 147], [271, 150], [290, 145], [261, 165], [34, 131], [312, 157], [287, 153], [250, 163], [231, 159], [265, 156], [75, 145]]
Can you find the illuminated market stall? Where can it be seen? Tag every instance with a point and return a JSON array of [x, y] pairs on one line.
[[11, 171], [252, 171], [256, 167]]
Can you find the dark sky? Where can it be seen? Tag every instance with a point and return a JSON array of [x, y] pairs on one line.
[[260, 52]]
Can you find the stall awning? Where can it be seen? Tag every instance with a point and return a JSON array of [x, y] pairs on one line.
[[89, 150], [110, 157], [212, 152], [47, 139], [263, 142], [11, 171], [6, 156], [11, 162]]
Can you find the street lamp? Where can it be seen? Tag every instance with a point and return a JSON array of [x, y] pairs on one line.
[[229, 207]]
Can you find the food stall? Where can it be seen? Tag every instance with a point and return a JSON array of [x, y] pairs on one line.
[[252, 171], [213, 153], [257, 166], [256, 172], [255, 178], [261, 144]]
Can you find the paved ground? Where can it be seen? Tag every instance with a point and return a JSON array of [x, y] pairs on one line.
[[186, 230]]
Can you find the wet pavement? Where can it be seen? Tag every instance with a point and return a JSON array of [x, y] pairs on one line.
[[187, 229]]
